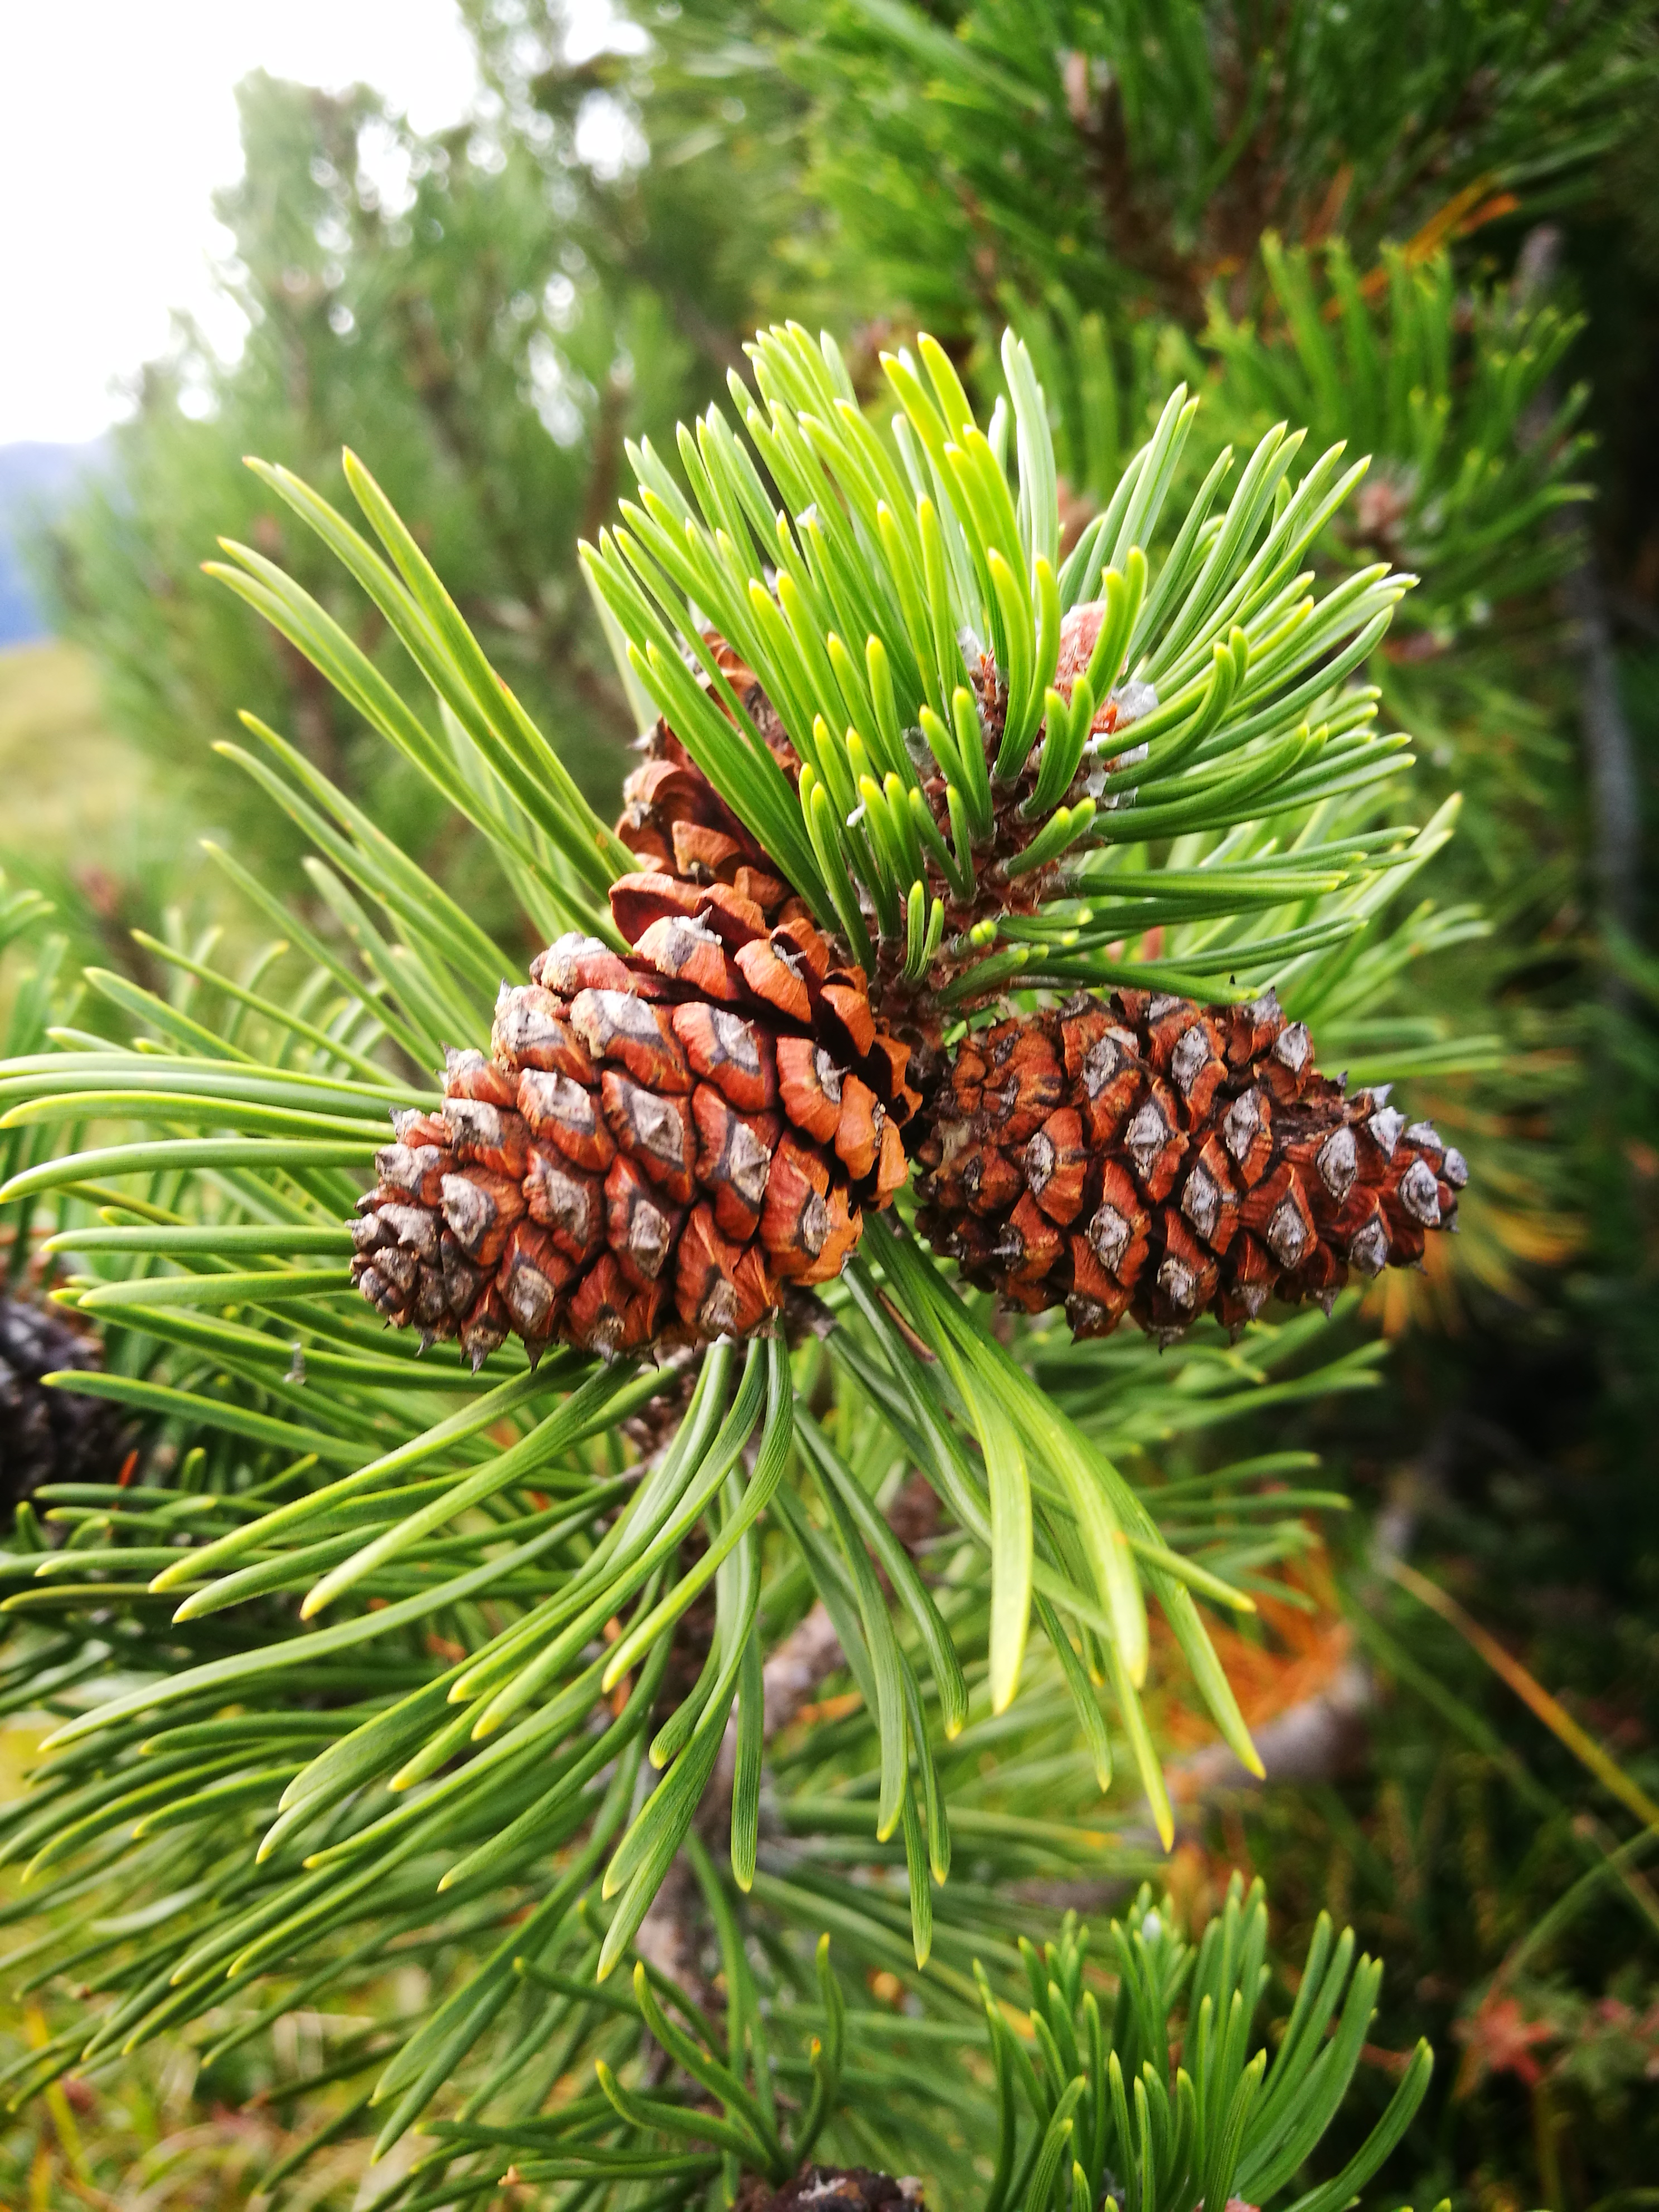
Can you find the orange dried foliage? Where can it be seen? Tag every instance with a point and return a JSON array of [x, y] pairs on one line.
[[1284, 1657]]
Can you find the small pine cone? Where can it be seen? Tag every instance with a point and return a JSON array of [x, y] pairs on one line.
[[833, 2189], [676, 823], [657, 1145], [1146, 1155], [49, 1436]]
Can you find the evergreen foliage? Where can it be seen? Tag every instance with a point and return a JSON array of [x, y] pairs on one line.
[[254, 1750], [330, 1698], [1131, 157]]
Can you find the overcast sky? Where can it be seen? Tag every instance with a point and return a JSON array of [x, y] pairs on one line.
[[117, 121]]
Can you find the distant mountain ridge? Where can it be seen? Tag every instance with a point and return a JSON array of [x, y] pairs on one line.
[[36, 480]]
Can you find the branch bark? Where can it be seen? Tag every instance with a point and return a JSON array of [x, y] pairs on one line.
[[1604, 731], [807, 1656], [1609, 755]]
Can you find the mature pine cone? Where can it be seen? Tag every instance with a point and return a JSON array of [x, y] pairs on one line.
[[656, 1146], [1147, 1156], [48, 1435]]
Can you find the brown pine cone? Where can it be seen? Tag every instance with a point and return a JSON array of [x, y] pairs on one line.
[[657, 1144], [674, 821], [833, 2189], [49, 1436], [1147, 1156]]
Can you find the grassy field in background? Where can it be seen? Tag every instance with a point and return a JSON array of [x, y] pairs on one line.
[[71, 792], [89, 820]]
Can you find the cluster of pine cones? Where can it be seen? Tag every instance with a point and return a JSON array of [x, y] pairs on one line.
[[660, 1142]]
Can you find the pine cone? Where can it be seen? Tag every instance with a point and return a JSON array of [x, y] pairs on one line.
[[48, 1435], [1146, 1155], [674, 821], [833, 2189], [657, 1144]]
